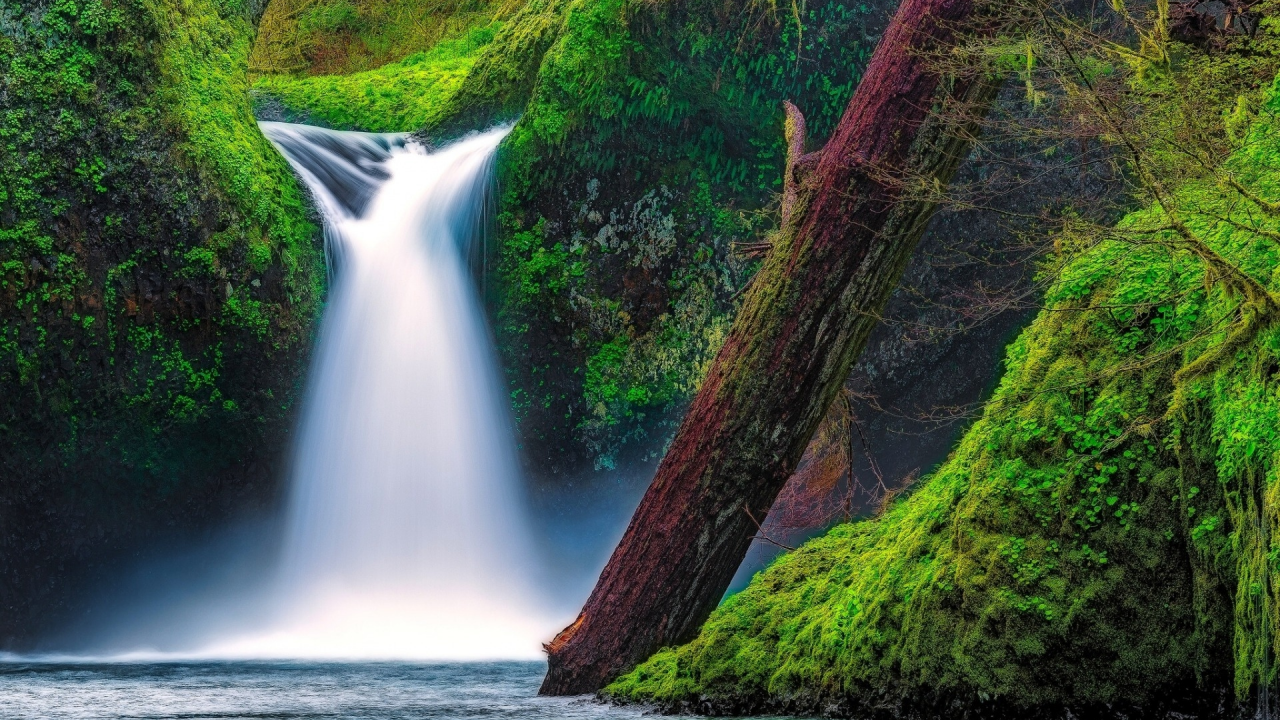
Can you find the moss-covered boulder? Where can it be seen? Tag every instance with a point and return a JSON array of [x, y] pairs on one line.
[[160, 277], [1101, 542]]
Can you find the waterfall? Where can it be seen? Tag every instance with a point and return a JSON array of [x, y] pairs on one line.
[[405, 534]]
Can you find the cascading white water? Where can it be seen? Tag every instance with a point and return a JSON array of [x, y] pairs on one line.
[[405, 535]]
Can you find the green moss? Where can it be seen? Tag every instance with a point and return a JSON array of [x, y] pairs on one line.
[[204, 93], [648, 142], [343, 37], [1101, 537], [159, 279], [398, 97]]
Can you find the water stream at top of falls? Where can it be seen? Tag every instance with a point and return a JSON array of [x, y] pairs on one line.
[[405, 534]]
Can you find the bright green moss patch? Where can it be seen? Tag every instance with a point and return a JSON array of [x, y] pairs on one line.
[[398, 97], [134, 163], [342, 37], [205, 94]]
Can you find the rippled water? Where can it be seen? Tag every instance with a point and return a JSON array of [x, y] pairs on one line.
[[226, 690]]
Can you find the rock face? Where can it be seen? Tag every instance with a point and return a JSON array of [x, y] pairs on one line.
[[641, 178], [160, 277]]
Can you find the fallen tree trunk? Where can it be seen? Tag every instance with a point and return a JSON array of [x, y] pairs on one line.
[[852, 214]]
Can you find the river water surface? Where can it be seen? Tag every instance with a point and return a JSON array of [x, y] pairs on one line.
[[234, 690]]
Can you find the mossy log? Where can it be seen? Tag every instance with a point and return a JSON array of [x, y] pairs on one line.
[[851, 220]]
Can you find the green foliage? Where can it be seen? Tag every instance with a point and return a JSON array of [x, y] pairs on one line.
[[341, 16], [203, 92], [343, 37], [1102, 535], [159, 277], [145, 91], [648, 143], [398, 97]]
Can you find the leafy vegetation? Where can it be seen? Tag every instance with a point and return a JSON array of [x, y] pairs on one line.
[[159, 272], [650, 144], [398, 97], [342, 37]]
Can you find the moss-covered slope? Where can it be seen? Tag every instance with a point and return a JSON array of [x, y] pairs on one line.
[[401, 96], [1102, 540], [159, 279], [343, 37]]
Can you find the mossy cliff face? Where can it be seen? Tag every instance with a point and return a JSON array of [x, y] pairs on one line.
[[1102, 540], [159, 281], [650, 144]]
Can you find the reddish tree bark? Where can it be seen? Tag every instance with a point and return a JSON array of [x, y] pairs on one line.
[[849, 225]]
